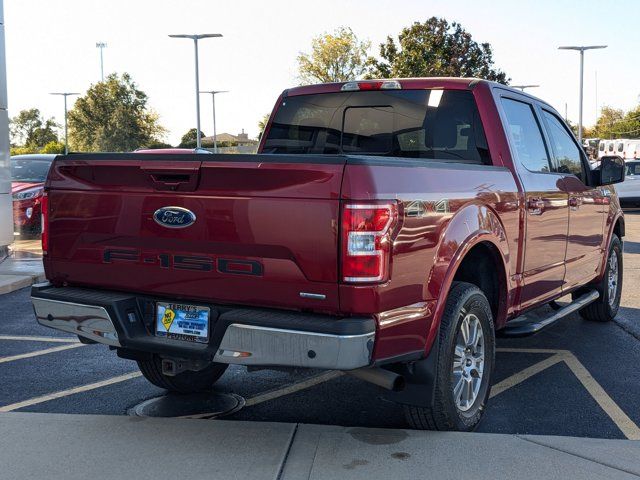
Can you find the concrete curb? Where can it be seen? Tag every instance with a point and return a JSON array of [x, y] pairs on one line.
[[11, 283], [17, 273], [58, 446]]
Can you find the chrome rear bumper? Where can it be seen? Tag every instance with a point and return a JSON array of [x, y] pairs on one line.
[[254, 345], [88, 321], [244, 344]]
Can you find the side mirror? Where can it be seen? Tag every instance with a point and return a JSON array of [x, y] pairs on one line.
[[611, 170]]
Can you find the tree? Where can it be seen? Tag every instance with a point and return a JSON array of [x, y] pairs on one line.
[[30, 129], [113, 116], [190, 139], [610, 121], [53, 147], [436, 48], [262, 124], [154, 144], [336, 57]]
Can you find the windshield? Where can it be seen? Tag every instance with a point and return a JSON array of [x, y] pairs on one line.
[[633, 168], [429, 124], [29, 170]]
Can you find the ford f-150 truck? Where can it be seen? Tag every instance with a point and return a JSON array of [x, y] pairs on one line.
[[386, 228]]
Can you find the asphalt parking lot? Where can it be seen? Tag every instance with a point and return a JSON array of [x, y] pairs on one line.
[[575, 378]]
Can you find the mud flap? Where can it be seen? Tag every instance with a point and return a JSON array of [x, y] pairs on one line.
[[420, 377]]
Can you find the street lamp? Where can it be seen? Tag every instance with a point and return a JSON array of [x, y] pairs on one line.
[[195, 39], [65, 95], [101, 46], [581, 49], [213, 101], [522, 87]]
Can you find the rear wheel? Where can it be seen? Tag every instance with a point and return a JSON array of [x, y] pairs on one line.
[[184, 382], [465, 364], [606, 307]]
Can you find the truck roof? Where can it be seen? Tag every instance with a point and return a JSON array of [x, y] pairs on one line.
[[451, 83]]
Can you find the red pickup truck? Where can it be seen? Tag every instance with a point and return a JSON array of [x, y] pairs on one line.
[[386, 228]]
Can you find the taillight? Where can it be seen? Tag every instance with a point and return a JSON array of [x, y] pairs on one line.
[[366, 242], [45, 223]]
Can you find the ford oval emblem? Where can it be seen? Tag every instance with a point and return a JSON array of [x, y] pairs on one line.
[[174, 217]]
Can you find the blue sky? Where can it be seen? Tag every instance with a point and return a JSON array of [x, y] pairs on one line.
[[51, 47]]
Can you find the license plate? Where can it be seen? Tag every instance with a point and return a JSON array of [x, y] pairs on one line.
[[179, 321]]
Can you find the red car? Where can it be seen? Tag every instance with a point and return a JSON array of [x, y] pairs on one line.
[[387, 229], [28, 173]]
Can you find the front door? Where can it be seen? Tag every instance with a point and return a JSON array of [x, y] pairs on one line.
[[587, 205], [546, 210]]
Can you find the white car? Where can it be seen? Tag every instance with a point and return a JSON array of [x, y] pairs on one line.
[[629, 190]]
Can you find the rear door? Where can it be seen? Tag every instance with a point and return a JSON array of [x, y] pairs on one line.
[[587, 205], [546, 211]]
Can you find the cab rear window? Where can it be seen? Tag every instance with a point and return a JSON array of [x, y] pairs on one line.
[[429, 124]]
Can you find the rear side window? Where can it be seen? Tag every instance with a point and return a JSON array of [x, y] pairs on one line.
[[565, 150], [620, 147], [526, 136], [611, 147], [601, 147], [427, 124]]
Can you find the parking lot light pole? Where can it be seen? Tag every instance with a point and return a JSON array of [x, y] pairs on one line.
[[213, 101], [65, 95], [581, 49], [195, 39], [101, 46]]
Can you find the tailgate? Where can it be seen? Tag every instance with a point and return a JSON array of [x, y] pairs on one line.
[[263, 231]]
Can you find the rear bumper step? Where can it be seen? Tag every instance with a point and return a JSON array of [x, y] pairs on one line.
[[238, 335], [523, 326]]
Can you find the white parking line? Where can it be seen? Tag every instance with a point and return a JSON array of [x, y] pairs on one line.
[[295, 387], [624, 423], [40, 352], [70, 391], [599, 394], [27, 338]]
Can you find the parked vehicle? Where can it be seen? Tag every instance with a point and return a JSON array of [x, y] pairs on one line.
[[612, 147], [590, 146], [387, 228], [173, 150], [631, 150], [28, 173], [629, 190]]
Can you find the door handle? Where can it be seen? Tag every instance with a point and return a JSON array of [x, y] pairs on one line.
[[535, 206]]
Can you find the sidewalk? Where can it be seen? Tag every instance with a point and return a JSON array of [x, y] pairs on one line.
[[22, 268], [54, 446]]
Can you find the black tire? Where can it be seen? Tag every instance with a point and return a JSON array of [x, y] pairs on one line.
[[605, 309], [463, 299], [185, 382]]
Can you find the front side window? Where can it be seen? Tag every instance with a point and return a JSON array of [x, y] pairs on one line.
[[425, 124], [565, 150], [525, 135], [601, 147], [611, 147], [620, 147]]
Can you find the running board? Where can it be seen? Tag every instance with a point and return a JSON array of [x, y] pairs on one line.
[[523, 326]]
